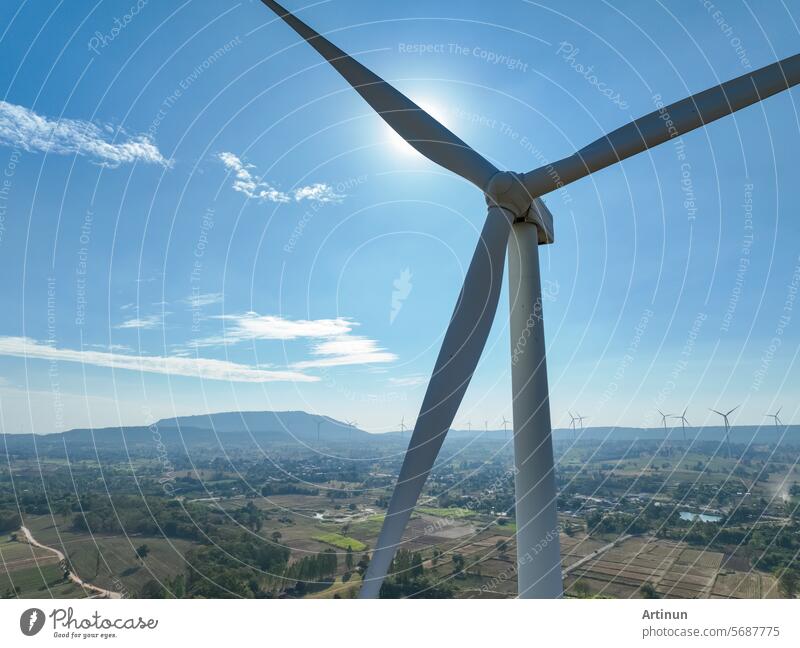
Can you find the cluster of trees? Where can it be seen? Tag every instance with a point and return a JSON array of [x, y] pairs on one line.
[[239, 565], [407, 579], [317, 569], [287, 488], [153, 516], [9, 520]]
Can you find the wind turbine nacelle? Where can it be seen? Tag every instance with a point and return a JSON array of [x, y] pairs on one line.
[[540, 215]]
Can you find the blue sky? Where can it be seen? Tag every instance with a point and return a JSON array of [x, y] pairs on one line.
[[197, 214]]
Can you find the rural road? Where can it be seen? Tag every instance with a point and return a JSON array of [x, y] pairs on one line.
[[595, 554], [72, 575]]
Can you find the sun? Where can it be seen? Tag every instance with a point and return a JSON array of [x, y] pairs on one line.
[[398, 145]]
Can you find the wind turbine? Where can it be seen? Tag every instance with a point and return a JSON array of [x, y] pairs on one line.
[[727, 426], [581, 419], [351, 425], [402, 427], [516, 219], [505, 426], [775, 416], [684, 421], [572, 420], [663, 420]]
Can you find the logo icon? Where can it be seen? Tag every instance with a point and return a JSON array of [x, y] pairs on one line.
[[31, 621], [402, 289]]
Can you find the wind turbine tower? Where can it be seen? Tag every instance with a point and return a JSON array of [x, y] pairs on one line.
[[727, 426], [684, 422]]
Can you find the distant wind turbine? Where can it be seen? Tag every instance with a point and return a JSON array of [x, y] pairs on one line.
[[684, 421], [581, 419], [572, 421], [402, 427], [775, 416], [727, 426], [664, 420], [351, 425], [505, 426]]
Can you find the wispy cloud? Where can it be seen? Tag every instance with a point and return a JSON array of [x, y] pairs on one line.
[[149, 322], [200, 300], [23, 128], [346, 350], [193, 367], [255, 187], [335, 345], [409, 381]]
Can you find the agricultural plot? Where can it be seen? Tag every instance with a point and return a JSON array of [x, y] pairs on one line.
[[671, 568], [110, 561]]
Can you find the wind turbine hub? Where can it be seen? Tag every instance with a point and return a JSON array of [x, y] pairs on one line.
[[506, 190]]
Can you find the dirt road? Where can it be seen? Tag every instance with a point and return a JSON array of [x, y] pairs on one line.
[[72, 575]]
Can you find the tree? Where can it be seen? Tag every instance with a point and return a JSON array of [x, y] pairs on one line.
[[348, 558], [142, 551], [648, 591], [788, 583], [581, 589], [458, 563], [276, 536], [436, 554]]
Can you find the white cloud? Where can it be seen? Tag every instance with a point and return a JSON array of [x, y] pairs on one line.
[[149, 322], [252, 326], [346, 350], [335, 347], [193, 367], [409, 381], [200, 300], [24, 128], [257, 188]]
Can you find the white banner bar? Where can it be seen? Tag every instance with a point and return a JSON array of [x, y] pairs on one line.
[[386, 624]]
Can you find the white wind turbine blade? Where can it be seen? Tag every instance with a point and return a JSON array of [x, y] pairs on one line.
[[411, 122], [662, 125], [461, 349]]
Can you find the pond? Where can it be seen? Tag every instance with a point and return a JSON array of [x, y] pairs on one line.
[[703, 517]]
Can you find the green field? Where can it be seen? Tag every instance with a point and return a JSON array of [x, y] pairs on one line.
[[44, 581], [118, 567], [340, 541]]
